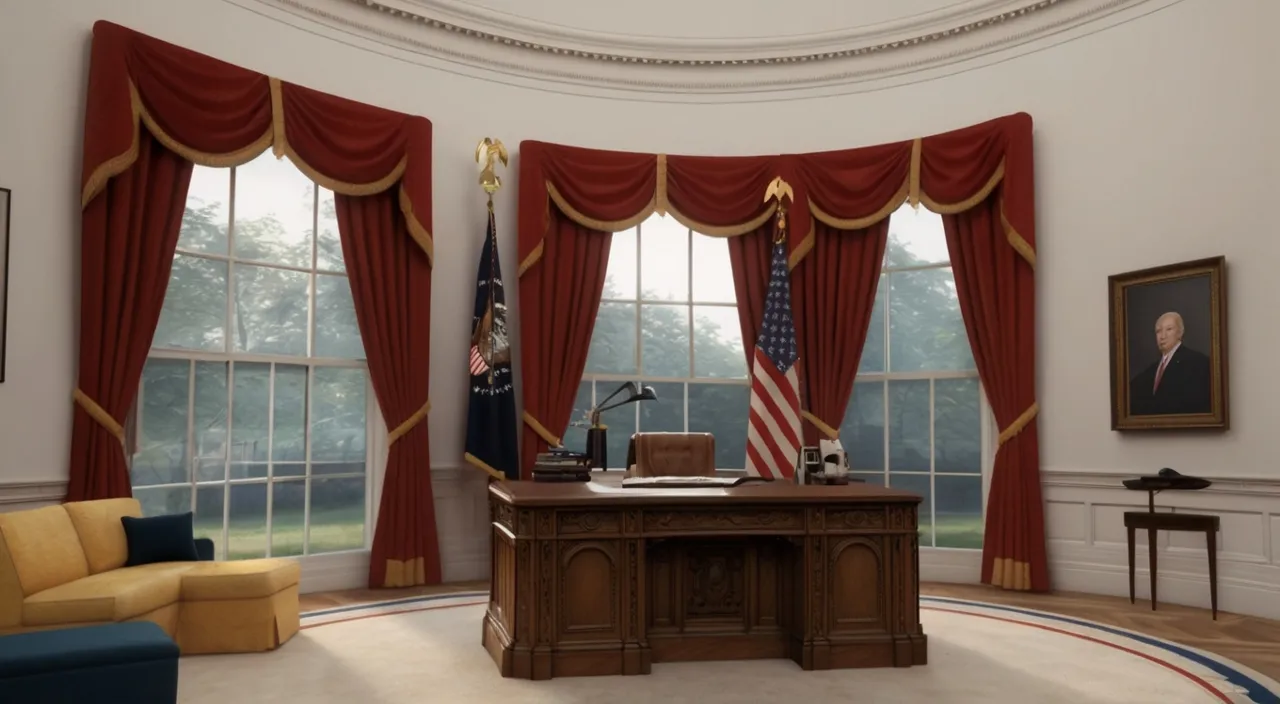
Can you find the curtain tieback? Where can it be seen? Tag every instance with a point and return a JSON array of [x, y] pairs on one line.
[[1016, 426], [408, 424], [830, 432], [541, 430], [99, 414]]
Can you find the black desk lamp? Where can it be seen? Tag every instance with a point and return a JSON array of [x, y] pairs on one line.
[[596, 438]]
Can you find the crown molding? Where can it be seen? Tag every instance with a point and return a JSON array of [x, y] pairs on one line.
[[461, 34]]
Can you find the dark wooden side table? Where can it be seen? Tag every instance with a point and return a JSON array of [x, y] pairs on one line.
[[1151, 522]]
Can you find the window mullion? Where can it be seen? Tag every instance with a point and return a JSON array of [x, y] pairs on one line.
[[306, 457], [271, 441], [933, 453], [888, 368]]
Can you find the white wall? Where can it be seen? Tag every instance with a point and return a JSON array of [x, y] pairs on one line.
[[1155, 143]]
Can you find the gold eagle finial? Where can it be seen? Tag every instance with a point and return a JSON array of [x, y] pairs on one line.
[[488, 151], [778, 190]]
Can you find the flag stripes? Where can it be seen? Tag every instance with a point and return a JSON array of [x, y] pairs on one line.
[[478, 365], [773, 422]]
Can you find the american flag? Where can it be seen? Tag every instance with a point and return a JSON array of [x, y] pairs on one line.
[[478, 365], [773, 430]]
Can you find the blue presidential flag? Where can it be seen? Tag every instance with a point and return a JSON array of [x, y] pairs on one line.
[[491, 412]]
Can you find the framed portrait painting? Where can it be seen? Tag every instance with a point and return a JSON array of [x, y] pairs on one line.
[[1169, 347]]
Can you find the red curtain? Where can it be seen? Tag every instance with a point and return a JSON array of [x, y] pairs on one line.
[[837, 229], [211, 113], [130, 232]]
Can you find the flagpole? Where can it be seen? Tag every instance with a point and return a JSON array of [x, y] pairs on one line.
[[488, 151]]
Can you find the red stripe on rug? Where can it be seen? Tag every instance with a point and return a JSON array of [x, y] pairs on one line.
[[390, 613], [1189, 675]]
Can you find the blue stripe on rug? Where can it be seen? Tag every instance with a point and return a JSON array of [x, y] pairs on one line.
[[1255, 690], [393, 602]]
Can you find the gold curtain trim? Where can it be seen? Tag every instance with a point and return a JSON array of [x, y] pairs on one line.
[[279, 144], [112, 167], [1009, 573], [541, 430], [603, 225], [416, 230], [408, 424], [99, 414], [724, 230], [913, 177], [530, 260], [660, 204], [482, 465], [1020, 245], [952, 208], [405, 573], [802, 250], [860, 223], [830, 432], [1016, 426]]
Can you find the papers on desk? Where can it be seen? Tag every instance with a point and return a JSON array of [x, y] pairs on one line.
[[684, 482]]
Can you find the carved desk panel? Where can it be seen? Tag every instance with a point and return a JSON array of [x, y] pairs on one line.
[[592, 579]]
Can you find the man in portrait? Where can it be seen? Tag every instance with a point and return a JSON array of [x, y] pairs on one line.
[[1178, 382]]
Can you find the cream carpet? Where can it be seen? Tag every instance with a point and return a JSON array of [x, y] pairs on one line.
[[428, 650]]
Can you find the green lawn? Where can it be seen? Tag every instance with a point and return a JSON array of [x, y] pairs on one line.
[[953, 531], [331, 530]]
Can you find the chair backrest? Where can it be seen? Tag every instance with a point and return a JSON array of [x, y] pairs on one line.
[[672, 455]]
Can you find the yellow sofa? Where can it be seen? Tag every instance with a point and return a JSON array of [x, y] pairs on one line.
[[63, 566]]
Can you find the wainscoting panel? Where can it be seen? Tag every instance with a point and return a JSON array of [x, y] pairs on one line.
[[22, 495], [1088, 546]]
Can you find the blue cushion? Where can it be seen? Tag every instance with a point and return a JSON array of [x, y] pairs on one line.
[[88, 646], [160, 539]]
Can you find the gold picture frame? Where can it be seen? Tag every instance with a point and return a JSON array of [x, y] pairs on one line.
[[1169, 367]]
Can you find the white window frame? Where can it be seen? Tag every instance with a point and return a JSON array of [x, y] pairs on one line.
[[613, 380], [375, 431]]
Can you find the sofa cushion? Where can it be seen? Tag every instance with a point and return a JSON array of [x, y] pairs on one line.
[[44, 547], [168, 538], [107, 596], [242, 579], [100, 531]]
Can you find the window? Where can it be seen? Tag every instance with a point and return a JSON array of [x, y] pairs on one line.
[[668, 319], [254, 405], [917, 417]]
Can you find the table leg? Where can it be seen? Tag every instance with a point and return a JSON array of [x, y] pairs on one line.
[[1151, 551], [1131, 540], [1211, 541]]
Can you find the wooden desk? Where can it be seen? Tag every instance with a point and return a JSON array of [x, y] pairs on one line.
[[592, 579], [1151, 521]]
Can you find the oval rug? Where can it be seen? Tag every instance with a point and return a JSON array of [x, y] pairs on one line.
[[427, 649]]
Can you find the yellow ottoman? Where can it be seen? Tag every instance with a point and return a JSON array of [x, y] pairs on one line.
[[244, 606]]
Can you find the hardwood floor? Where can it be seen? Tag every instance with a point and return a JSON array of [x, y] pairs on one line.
[[1248, 640]]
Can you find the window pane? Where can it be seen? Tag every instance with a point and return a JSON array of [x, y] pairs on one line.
[[958, 507], [926, 330], [337, 333], [161, 453], [337, 515], [288, 506], [957, 426], [204, 223], [721, 409], [194, 313], [909, 426], [575, 436], [249, 422], [157, 501], [717, 343], [712, 272], [666, 414], [247, 521], [289, 422], [664, 260], [620, 277], [916, 237], [328, 244], [862, 432], [271, 310], [872, 360], [210, 500], [918, 484], [211, 420], [622, 425], [613, 342], [338, 421], [665, 331], [871, 478], [275, 212]]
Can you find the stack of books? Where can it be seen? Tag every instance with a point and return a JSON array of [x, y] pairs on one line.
[[561, 465]]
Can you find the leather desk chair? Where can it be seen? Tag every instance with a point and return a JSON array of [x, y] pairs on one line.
[[672, 455]]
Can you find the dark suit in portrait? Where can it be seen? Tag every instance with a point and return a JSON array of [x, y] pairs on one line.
[[1185, 385]]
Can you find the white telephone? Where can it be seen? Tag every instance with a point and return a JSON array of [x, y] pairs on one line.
[[835, 462]]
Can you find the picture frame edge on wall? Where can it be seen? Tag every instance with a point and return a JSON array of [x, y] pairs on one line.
[[1219, 417], [6, 211]]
